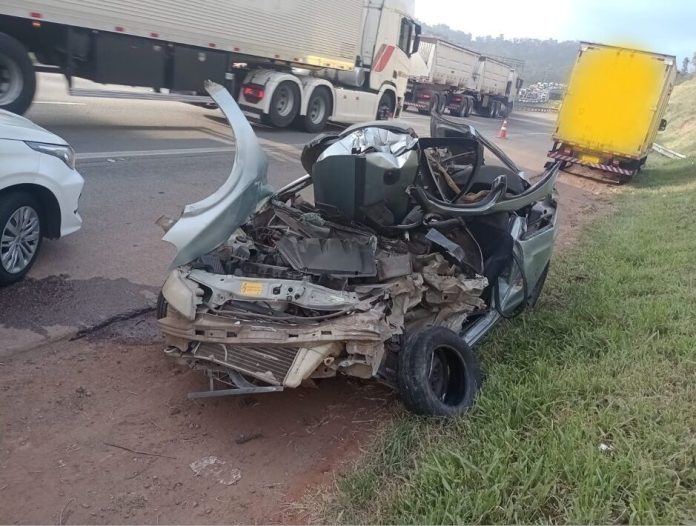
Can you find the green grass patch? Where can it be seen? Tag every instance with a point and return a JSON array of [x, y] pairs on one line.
[[588, 413]]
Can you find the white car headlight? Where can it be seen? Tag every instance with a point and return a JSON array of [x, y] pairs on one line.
[[63, 152]]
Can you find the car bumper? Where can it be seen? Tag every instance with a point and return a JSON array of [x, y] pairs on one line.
[[71, 189]]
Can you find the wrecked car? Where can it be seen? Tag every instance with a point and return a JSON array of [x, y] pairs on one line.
[[389, 260]]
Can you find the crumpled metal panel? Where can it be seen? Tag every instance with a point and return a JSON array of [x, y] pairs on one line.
[[333, 256], [207, 224]]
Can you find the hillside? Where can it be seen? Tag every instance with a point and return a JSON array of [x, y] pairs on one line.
[[544, 60], [680, 134]]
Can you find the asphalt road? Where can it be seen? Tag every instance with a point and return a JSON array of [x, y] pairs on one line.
[[140, 160]]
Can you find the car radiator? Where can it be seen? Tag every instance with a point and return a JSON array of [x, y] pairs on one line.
[[269, 363]]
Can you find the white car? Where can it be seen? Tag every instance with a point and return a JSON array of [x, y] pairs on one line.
[[39, 193]]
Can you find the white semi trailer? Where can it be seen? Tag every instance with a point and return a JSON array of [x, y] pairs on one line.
[[299, 61], [448, 76]]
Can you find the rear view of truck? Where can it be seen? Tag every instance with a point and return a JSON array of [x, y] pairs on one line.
[[613, 109], [442, 74], [449, 77]]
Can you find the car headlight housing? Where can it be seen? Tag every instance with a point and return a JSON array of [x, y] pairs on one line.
[[64, 152]]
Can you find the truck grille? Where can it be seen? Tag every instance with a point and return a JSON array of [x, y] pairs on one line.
[[269, 363]]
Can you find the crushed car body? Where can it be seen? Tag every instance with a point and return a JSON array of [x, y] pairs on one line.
[[411, 250]]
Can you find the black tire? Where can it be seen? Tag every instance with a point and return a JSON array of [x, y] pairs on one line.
[[468, 107], [507, 110], [434, 103], [9, 204], [318, 111], [162, 306], [538, 287], [438, 374], [386, 106], [285, 105], [17, 76]]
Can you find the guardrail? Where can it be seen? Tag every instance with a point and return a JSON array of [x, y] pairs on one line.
[[667, 152], [543, 109]]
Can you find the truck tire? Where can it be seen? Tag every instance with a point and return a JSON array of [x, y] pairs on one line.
[[438, 374], [468, 104], [386, 106], [17, 76], [318, 111], [434, 103], [285, 105]]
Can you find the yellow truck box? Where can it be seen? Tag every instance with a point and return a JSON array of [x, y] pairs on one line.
[[613, 108]]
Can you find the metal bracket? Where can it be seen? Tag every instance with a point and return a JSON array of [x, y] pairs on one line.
[[212, 392]]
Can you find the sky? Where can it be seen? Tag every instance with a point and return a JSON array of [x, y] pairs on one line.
[[663, 26]]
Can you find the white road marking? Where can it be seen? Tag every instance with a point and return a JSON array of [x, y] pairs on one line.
[[152, 153], [59, 102]]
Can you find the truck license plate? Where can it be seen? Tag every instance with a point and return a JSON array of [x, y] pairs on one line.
[[590, 159]]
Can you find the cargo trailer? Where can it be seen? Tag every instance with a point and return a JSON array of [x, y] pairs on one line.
[[300, 61], [613, 108]]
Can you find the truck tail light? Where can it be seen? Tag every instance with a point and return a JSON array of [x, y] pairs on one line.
[[456, 98], [567, 151], [615, 162], [253, 93], [425, 96]]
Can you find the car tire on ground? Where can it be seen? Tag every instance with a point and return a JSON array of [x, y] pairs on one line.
[[318, 111], [285, 105], [20, 235], [386, 106], [438, 374], [162, 306], [17, 76]]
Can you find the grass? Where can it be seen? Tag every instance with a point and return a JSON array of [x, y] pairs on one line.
[[588, 414], [680, 134]]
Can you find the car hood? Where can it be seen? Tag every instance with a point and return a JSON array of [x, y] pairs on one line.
[[19, 128], [207, 224]]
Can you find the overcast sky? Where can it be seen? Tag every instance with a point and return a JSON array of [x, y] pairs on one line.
[[664, 26]]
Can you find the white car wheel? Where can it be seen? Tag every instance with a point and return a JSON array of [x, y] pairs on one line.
[[20, 236]]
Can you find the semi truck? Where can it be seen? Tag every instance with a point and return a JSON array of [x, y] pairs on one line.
[[448, 76], [613, 108], [301, 62]]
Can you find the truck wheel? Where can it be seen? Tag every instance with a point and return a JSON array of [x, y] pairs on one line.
[[318, 111], [434, 103], [17, 76], [438, 374], [466, 107], [285, 105], [385, 108]]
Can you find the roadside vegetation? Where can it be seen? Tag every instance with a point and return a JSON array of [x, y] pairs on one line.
[[680, 134], [587, 413]]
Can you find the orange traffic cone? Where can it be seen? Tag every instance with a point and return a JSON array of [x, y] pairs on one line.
[[502, 134]]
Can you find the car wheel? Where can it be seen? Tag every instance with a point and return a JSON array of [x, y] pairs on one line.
[[438, 374], [318, 111], [17, 77], [20, 236], [285, 105], [162, 306], [385, 108]]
